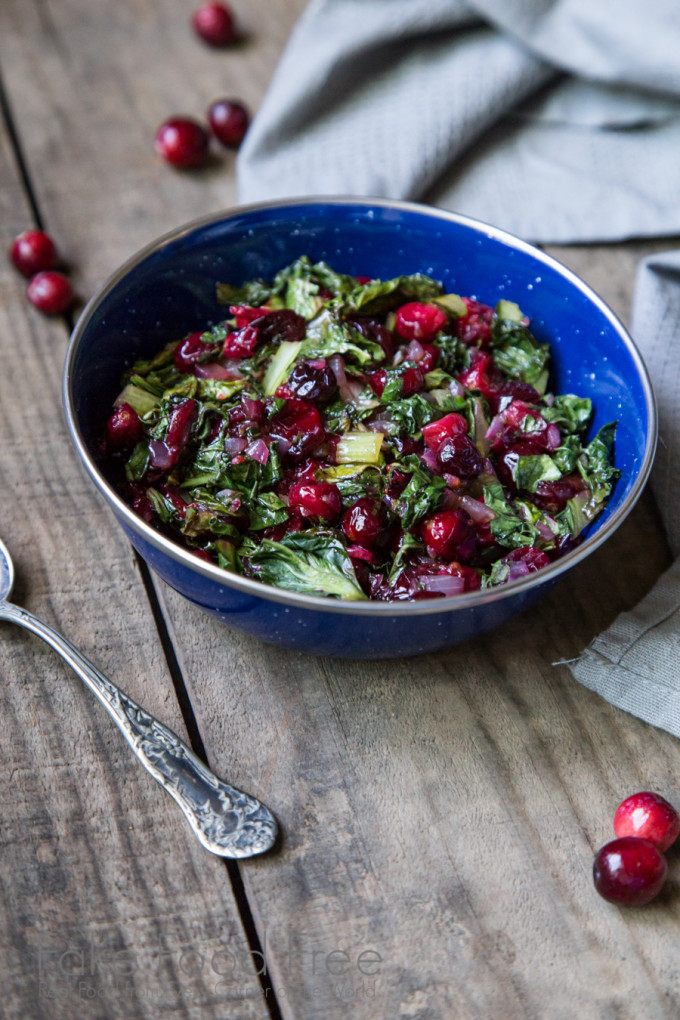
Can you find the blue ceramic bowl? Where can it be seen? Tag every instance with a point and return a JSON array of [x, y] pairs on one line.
[[168, 289]]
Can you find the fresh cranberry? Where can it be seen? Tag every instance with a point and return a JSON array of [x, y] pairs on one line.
[[229, 120], [459, 456], [475, 326], [182, 141], [313, 380], [50, 292], [315, 499], [365, 520], [33, 251], [124, 428], [648, 816], [242, 342], [476, 377], [214, 23], [188, 352], [437, 431], [449, 534], [630, 871], [418, 321], [243, 314]]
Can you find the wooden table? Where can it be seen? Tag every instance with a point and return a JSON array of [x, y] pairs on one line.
[[439, 814]]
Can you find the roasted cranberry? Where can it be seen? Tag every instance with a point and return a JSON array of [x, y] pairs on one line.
[[449, 534], [374, 330], [298, 427], [313, 380], [124, 428], [188, 352], [648, 816], [182, 141], [437, 431], [50, 292], [475, 327], [428, 358], [418, 321], [514, 388], [315, 499], [629, 871], [33, 251], [242, 342], [244, 314], [229, 120], [476, 377], [459, 456], [554, 496], [214, 23], [364, 521]]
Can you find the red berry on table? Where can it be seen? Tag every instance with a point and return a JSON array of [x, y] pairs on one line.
[[214, 23], [229, 120], [649, 816], [182, 141], [32, 251], [418, 321], [629, 871], [50, 292]]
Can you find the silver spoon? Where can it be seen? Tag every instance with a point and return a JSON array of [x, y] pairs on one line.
[[225, 820]]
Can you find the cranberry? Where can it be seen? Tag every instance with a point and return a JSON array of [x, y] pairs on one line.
[[475, 327], [411, 380], [141, 503], [469, 575], [374, 330], [32, 251], [459, 456], [242, 342], [50, 292], [630, 871], [417, 321], [514, 388], [298, 427], [429, 358], [315, 499], [649, 816], [437, 431], [476, 377], [365, 520], [554, 496], [313, 380], [280, 325], [181, 420], [188, 352], [450, 534], [229, 120], [124, 428], [214, 23], [245, 314], [182, 141]]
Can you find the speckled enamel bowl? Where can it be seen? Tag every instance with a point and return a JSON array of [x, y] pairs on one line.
[[168, 289]]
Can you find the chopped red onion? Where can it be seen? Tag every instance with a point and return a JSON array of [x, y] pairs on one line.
[[553, 436], [258, 450], [234, 445], [161, 455], [546, 533], [212, 371], [414, 352], [430, 461], [337, 363], [478, 511], [444, 584]]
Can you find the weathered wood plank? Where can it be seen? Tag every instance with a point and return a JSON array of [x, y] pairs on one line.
[[110, 908], [439, 815]]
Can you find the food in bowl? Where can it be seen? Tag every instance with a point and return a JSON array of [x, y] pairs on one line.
[[360, 438]]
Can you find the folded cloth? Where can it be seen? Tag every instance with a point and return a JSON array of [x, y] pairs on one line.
[[634, 664], [558, 120]]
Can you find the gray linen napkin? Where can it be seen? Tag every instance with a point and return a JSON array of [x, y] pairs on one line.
[[558, 120], [635, 663]]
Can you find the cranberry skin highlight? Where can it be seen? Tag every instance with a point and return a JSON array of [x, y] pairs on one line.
[[418, 321], [182, 142], [648, 816], [50, 292], [229, 120], [629, 871], [32, 252], [214, 24]]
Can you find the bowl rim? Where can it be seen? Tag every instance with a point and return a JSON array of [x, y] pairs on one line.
[[325, 603]]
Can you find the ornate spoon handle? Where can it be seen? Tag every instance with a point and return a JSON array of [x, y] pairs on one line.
[[226, 821]]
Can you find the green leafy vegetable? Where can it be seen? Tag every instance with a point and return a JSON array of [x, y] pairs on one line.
[[507, 526], [314, 562]]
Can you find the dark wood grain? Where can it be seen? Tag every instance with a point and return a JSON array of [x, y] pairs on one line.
[[110, 908], [440, 814]]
